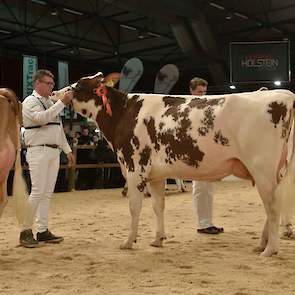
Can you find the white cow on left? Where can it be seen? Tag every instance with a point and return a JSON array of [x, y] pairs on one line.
[[11, 120], [199, 138]]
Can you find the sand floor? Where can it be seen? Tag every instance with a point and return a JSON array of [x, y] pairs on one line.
[[94, 223]]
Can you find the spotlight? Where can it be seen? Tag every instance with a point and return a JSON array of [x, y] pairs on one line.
[[232, 87], [54, 12], [277, 83]]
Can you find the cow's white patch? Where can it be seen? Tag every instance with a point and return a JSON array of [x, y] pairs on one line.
[[56, 95], [87, 109]]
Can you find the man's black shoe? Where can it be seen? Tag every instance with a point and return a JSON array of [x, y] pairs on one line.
[[212, 230], [48, 237], [26, 239]]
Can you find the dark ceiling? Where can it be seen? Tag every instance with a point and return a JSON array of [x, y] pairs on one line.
[[193, 34]]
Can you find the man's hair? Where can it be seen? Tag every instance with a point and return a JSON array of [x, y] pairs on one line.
[[196, 82], [40, 74]]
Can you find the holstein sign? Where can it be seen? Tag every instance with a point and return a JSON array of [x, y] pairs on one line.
[[259, 61]]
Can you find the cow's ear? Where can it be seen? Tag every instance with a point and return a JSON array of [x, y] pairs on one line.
[[112, 79]]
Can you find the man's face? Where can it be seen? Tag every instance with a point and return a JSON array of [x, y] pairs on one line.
[[199, 90], [85, 132], [44, 86]]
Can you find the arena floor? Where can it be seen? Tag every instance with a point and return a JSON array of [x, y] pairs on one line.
[[95, 222]]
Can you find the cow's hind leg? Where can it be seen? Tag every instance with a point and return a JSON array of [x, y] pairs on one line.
[[135, 192], [269, 238], [158, 201]]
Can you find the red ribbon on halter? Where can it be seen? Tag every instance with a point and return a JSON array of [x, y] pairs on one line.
[[101, 91]]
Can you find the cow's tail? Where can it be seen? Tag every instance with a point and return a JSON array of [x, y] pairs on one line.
[[285, 191], [19, 187]]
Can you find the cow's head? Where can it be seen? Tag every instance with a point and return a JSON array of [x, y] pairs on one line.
[[86, 100], [89, 98]]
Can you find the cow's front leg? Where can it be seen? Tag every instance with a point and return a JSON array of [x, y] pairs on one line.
[[135, 192], [158, 201], [264, 239]]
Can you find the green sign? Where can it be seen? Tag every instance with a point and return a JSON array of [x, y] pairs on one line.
[[30, 65]]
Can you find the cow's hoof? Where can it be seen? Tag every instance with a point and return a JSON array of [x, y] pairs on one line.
[[124, 193], [157, 243], [258, 249], [126, 246], [268, 253]]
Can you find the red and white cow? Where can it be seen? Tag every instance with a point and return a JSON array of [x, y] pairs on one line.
[[11, 119], [200, 138]]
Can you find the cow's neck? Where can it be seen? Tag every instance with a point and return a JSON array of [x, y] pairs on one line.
[[108, 124]]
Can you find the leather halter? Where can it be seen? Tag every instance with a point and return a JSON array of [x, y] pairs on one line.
[[101, 92]]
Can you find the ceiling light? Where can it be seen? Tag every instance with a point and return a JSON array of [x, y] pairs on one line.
[[57, 43], [54, 12], [4, 31], [277, 83], [241, 15], [128, 27], [154, 34], [39, 2], [86, 49], [73, 11], [216, 6], [229, 16], [232, 87], [276, 30]]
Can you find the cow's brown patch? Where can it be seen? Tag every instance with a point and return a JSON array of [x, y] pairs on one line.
[[202, 103], [178, 144], [141, 186], [161, 125], [219, 138], [145, 156], [151, 129], [286, 126], [135, 141], [207, 122], [173, 103], [124, 126], [278, 112], [84, 90]]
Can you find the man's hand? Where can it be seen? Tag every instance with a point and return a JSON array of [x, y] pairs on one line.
[[71, 159], [67, 98]]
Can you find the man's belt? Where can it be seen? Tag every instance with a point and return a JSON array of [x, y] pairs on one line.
[[39, 126], [54, 146]]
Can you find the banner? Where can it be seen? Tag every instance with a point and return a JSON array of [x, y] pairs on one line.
[[30, 65], [166, 79], [63, 74], [259, 61], [63, 81], [130, 74]]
